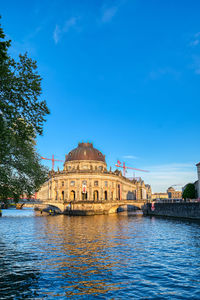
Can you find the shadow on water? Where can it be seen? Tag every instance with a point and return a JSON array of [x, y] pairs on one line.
[[174, 219]]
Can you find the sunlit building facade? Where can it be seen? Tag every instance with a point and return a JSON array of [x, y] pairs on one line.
[[85, 178], [173, 194]]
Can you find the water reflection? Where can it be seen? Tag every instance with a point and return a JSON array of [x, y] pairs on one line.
[[84, 251], [115, 256]]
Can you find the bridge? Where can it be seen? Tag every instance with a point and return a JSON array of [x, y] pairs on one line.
[[92, 207]]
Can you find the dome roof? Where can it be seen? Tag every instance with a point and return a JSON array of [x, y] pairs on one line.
[[85, 151]]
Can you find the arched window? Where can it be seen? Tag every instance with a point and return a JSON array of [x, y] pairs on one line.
[[96, 195], [106, 195], [72, 195], [119, 192], [96, 183], [130, 195]]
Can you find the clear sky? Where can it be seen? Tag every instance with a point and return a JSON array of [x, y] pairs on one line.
[[124, 75]]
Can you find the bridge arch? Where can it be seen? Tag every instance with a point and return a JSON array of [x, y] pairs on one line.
[[119, 207], [55, 208]]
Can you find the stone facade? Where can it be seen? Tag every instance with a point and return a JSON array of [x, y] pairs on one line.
[[198, 181], [85, 178], [172, 194], [159, 196]]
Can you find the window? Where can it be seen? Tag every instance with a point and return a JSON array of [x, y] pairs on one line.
[[106, 183], [84, 182], [63, 183], [96, 196], [72, 183], [84, 196], [100, 168], [69, 167], [96, 183], [72, 195]]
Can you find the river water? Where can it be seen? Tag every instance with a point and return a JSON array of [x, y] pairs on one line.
[[98, 257]]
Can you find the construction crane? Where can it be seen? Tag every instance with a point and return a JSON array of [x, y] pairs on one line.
[[53, 160], [124, 167]]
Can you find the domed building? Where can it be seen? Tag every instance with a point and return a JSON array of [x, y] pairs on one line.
[[85, 178]]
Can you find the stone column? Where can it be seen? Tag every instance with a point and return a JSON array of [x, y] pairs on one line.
[[138, 193], [77, 195], [53, 190], [66, 194], [50, 190]]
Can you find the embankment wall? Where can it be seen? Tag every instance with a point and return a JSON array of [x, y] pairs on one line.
[[177, 210]]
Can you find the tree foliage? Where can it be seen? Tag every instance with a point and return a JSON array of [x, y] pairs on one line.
[[22, 115], [189, 191]]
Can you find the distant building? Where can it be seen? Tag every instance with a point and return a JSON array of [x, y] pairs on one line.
[[173, 194], [197, 183], [159, 196]]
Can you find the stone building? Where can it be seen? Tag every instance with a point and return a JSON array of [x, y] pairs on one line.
[[159, 196], [173, 194], [197, 185], [85, 178]]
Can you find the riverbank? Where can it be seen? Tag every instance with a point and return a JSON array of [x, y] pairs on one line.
[[175, 210]]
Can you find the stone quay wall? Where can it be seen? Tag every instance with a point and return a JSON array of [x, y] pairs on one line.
[[176, 210]]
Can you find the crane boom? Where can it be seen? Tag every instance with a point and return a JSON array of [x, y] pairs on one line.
[[53, 160], [124, 167]]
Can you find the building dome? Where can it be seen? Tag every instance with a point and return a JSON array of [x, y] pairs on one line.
[[85, 151]]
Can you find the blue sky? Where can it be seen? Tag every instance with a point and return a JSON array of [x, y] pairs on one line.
[[124, 75]]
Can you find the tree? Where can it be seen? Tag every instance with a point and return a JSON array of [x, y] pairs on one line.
[[22, 115], [189, 191]]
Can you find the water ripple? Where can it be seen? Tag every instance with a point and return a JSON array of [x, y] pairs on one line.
[[103, 257]]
